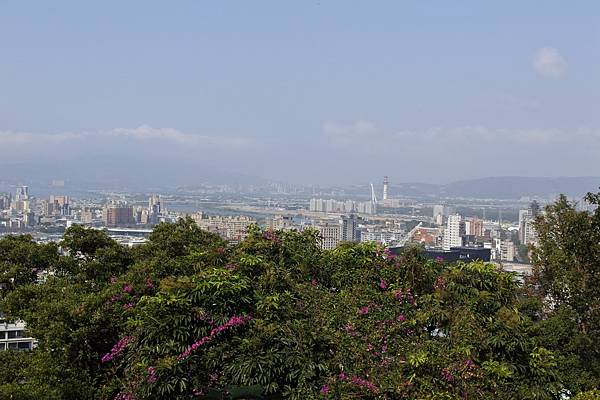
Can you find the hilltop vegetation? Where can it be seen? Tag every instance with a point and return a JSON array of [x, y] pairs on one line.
[[187, 316]]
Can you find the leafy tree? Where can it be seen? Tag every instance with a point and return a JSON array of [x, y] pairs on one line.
[[21, 259], [567, 277]]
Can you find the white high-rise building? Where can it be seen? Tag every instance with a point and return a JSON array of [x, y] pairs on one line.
[[452, 234], [330, 234]]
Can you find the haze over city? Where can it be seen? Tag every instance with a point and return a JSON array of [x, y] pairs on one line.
[[320, 92]]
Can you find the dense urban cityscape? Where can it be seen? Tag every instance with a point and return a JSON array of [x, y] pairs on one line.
[[390, 221]]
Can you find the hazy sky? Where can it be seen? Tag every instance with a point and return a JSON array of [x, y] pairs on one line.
[[306, 91]]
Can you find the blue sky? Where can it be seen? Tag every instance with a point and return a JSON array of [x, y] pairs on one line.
[[312, 91]]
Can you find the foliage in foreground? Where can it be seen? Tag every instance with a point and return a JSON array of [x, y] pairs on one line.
[[187, 316]]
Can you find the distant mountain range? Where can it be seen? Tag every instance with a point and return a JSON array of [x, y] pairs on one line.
[[144, 174]]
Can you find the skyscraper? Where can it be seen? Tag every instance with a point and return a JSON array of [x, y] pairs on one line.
[[452, 234], [349, 228]]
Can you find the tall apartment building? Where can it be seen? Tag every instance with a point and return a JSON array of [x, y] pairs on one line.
[[57, 206], [330, 234], [118, 215], [527, 233], [504, 250], [154, 209], [280, 222], [454, 232], [232, 228], [349, 228]]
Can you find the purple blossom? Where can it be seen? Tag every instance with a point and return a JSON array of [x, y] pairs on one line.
[[149, 284], [151, 375], [363, 310], [113, 279], [388, 254], [213, 379], [127, 306], [401, 318], [383, 284], [438, 258], [127, 288], [342, 376], [118, 348], [324, 389], [364, 383], [447, 375], [469, 363], [440, 283], [233, 321]]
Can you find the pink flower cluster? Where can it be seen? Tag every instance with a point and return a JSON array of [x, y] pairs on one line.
[[406, 295], [349, 329], [233, 321], [440, 283], [358, 381], [271, 236], [447, 375], [388, 254], [127, 288], [118, 348], [151, 375], [363, 310], [383, 285]]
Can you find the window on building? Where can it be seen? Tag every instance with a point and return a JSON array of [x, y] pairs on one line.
[[24, 345], [16, 334], [2, 335], [12, 346], [2, 346]]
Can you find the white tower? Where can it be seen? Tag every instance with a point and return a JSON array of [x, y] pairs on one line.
[[386, 183]]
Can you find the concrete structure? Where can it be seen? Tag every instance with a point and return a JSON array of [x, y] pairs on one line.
[[13, 336], [527, 233], [330, 234], [453, 232], [116, 215], [280, 222], [232, 228], [349, 228], [347, 206], [386, 184]]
